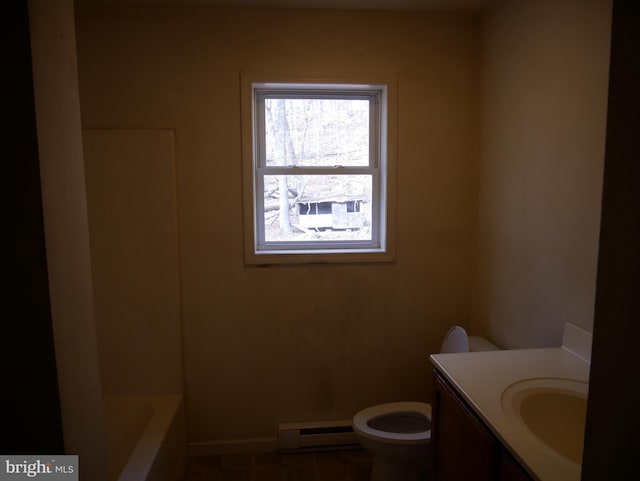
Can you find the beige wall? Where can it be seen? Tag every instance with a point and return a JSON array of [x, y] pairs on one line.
[[57, 102], [300, 342], [544, 99]]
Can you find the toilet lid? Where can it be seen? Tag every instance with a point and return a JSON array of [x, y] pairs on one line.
[[456, 340]]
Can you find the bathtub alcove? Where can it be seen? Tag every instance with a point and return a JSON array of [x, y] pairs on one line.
[[133, 229]]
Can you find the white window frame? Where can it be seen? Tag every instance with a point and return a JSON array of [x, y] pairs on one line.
[[381, 247]]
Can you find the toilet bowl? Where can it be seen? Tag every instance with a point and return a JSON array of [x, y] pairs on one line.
[[398, 434]]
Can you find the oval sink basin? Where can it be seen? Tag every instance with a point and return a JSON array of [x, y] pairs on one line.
[[553, 410]]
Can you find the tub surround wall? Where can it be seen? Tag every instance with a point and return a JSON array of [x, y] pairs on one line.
[[544, 102], [264, 345], [131, 198]]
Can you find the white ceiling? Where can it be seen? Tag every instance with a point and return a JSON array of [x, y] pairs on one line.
[[405, 5]]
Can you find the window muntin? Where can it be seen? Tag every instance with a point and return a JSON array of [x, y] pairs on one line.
[[320, 150]]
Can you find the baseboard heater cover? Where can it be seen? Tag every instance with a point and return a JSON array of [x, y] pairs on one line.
[[316, 436]]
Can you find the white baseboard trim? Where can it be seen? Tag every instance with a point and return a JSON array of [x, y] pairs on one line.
[[254, 445]]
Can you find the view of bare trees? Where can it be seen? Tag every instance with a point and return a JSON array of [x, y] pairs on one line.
[[317, 133]]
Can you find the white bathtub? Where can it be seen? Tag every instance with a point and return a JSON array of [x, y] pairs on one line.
[[146, 438]]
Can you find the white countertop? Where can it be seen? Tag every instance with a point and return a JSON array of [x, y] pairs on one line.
[[481, 378]]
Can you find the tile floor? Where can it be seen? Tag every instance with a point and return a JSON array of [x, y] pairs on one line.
[[352, 465]]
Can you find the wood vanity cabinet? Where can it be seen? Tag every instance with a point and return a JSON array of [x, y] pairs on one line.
[[510, 469], [464, 449]]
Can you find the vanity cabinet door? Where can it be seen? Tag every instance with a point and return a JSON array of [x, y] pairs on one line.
[[464, 449], [510, 469]]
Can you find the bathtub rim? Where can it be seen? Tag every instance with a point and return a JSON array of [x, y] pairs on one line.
[[141, 459]]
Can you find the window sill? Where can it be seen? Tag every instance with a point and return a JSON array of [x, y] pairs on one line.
[[329, 257]]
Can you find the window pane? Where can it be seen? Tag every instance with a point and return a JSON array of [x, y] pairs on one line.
[[317, 207], [317, 132]]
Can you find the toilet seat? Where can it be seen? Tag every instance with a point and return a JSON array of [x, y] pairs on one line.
[[362, 418]]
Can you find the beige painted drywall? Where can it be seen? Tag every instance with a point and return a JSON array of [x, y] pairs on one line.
[[131, 199], [544, 100], [263, 345], [66, 232]]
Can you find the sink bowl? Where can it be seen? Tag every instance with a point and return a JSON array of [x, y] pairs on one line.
[[553, 410]]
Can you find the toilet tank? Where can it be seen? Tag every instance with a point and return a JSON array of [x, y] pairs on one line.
[[477, 343]]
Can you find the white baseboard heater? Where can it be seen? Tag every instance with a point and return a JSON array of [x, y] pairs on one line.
[[316, 436]]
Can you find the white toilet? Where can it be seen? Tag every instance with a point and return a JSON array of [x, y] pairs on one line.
[[398, 434]]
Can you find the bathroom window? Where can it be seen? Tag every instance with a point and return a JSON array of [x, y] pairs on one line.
[[317, 172]]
